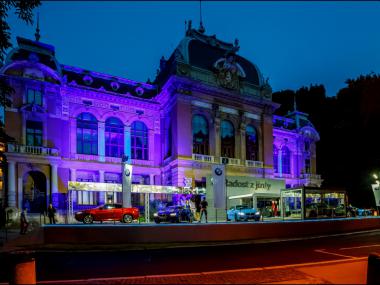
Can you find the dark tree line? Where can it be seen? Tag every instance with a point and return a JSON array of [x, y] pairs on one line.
[[349, 150]]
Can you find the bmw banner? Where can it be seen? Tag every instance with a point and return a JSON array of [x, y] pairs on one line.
[[219, 186], [376, 193], [127, 183]]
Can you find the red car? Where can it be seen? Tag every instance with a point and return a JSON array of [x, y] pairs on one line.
[[108, 212]]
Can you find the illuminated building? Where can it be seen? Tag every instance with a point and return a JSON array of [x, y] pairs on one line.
[[206, 104]]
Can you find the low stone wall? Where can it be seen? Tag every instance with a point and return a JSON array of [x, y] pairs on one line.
[[119, 233]]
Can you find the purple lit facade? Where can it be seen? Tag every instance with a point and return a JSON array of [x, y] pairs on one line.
[[205, 104]]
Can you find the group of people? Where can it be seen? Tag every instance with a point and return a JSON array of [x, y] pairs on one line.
[[199, 208], [24, 221]]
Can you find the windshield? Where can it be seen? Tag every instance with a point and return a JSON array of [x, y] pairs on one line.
[[241, 207]]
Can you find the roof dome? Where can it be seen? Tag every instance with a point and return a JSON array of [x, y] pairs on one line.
[[210, 54]]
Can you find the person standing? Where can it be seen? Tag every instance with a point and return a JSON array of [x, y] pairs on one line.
[[23, 222], [51, 213], [204, 205]]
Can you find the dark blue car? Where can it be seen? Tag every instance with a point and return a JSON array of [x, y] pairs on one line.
[[174, 214]]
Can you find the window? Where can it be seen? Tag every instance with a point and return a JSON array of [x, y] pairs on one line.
[[227, 139], [275, 159], [285, 155], [34, 97], [200, 135], [307, 146], [251, 143], [87, 134], [307, 165], [114, 137], [139, 141], [33, 133]]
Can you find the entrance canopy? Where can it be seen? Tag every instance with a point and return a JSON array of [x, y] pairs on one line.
[[116, 187]]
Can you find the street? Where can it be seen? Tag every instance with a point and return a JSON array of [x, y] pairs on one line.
[[60, 265]]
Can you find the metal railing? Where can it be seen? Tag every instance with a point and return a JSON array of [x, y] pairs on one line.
[[34, 150], [203, 158], [253, 163]]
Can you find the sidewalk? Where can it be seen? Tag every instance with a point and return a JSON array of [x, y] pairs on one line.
[[333, 272]]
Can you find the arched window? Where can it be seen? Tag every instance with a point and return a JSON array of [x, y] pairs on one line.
[[285, 159], [114, 137], [275, 159], [139, 141], [251, 143], [87, 134], [227, 132], [200, 135]]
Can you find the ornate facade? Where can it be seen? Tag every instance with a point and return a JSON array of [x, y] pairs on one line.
[[207, 105]]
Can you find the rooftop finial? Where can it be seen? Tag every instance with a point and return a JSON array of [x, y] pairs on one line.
[[37, 34], [201, 27]]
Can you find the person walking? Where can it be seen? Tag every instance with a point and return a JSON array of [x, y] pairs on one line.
[[23, 222], [51, 213], [204, 205]]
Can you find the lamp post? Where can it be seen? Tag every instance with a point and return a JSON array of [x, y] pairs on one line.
[[376, 190]]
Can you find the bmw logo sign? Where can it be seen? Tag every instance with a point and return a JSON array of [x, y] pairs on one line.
[[127, 172], [218, 171]]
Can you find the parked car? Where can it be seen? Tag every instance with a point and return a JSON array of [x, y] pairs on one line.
[[243, 213], [108, 212], [345, 211], [174, 214], [364, 212]]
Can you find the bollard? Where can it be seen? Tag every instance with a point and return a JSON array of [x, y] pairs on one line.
[[24, 268], [373, 269]]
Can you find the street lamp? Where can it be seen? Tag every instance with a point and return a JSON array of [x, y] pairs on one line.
[[376, 190]]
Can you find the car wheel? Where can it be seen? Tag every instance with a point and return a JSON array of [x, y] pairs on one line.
[[127, 219], [236, 218], [88, 219], [349, 214], [157, 221]]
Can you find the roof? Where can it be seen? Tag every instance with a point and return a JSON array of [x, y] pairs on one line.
[[206, 52]]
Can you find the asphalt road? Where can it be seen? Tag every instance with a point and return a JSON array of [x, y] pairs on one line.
[[96, 264]]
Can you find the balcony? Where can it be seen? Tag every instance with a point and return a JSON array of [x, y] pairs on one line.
[[203, 158], [310, 179], [33, 150], [231, 161], [310, 176], [253, 163]]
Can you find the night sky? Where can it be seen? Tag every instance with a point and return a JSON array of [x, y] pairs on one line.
[[293, 43]]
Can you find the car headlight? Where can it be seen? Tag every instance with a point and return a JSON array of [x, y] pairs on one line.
[[241, 214], [257, 213], [155, 215], [173, 214], [78, 213]]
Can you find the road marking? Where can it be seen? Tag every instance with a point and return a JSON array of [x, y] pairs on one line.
[[95, 280], [337, 254], [363, 246]]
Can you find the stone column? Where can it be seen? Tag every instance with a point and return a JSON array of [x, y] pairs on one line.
[[73, 177], [242, 145], [102, 194], [73, 138], [11, 184], [101, 141], [151, 179], [127, 142], [217, 138], [54, 185], [19, 192]]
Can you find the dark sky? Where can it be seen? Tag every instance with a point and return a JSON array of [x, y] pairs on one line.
[[293, 43]]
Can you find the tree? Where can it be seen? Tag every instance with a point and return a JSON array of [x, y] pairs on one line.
[[24, 11]]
